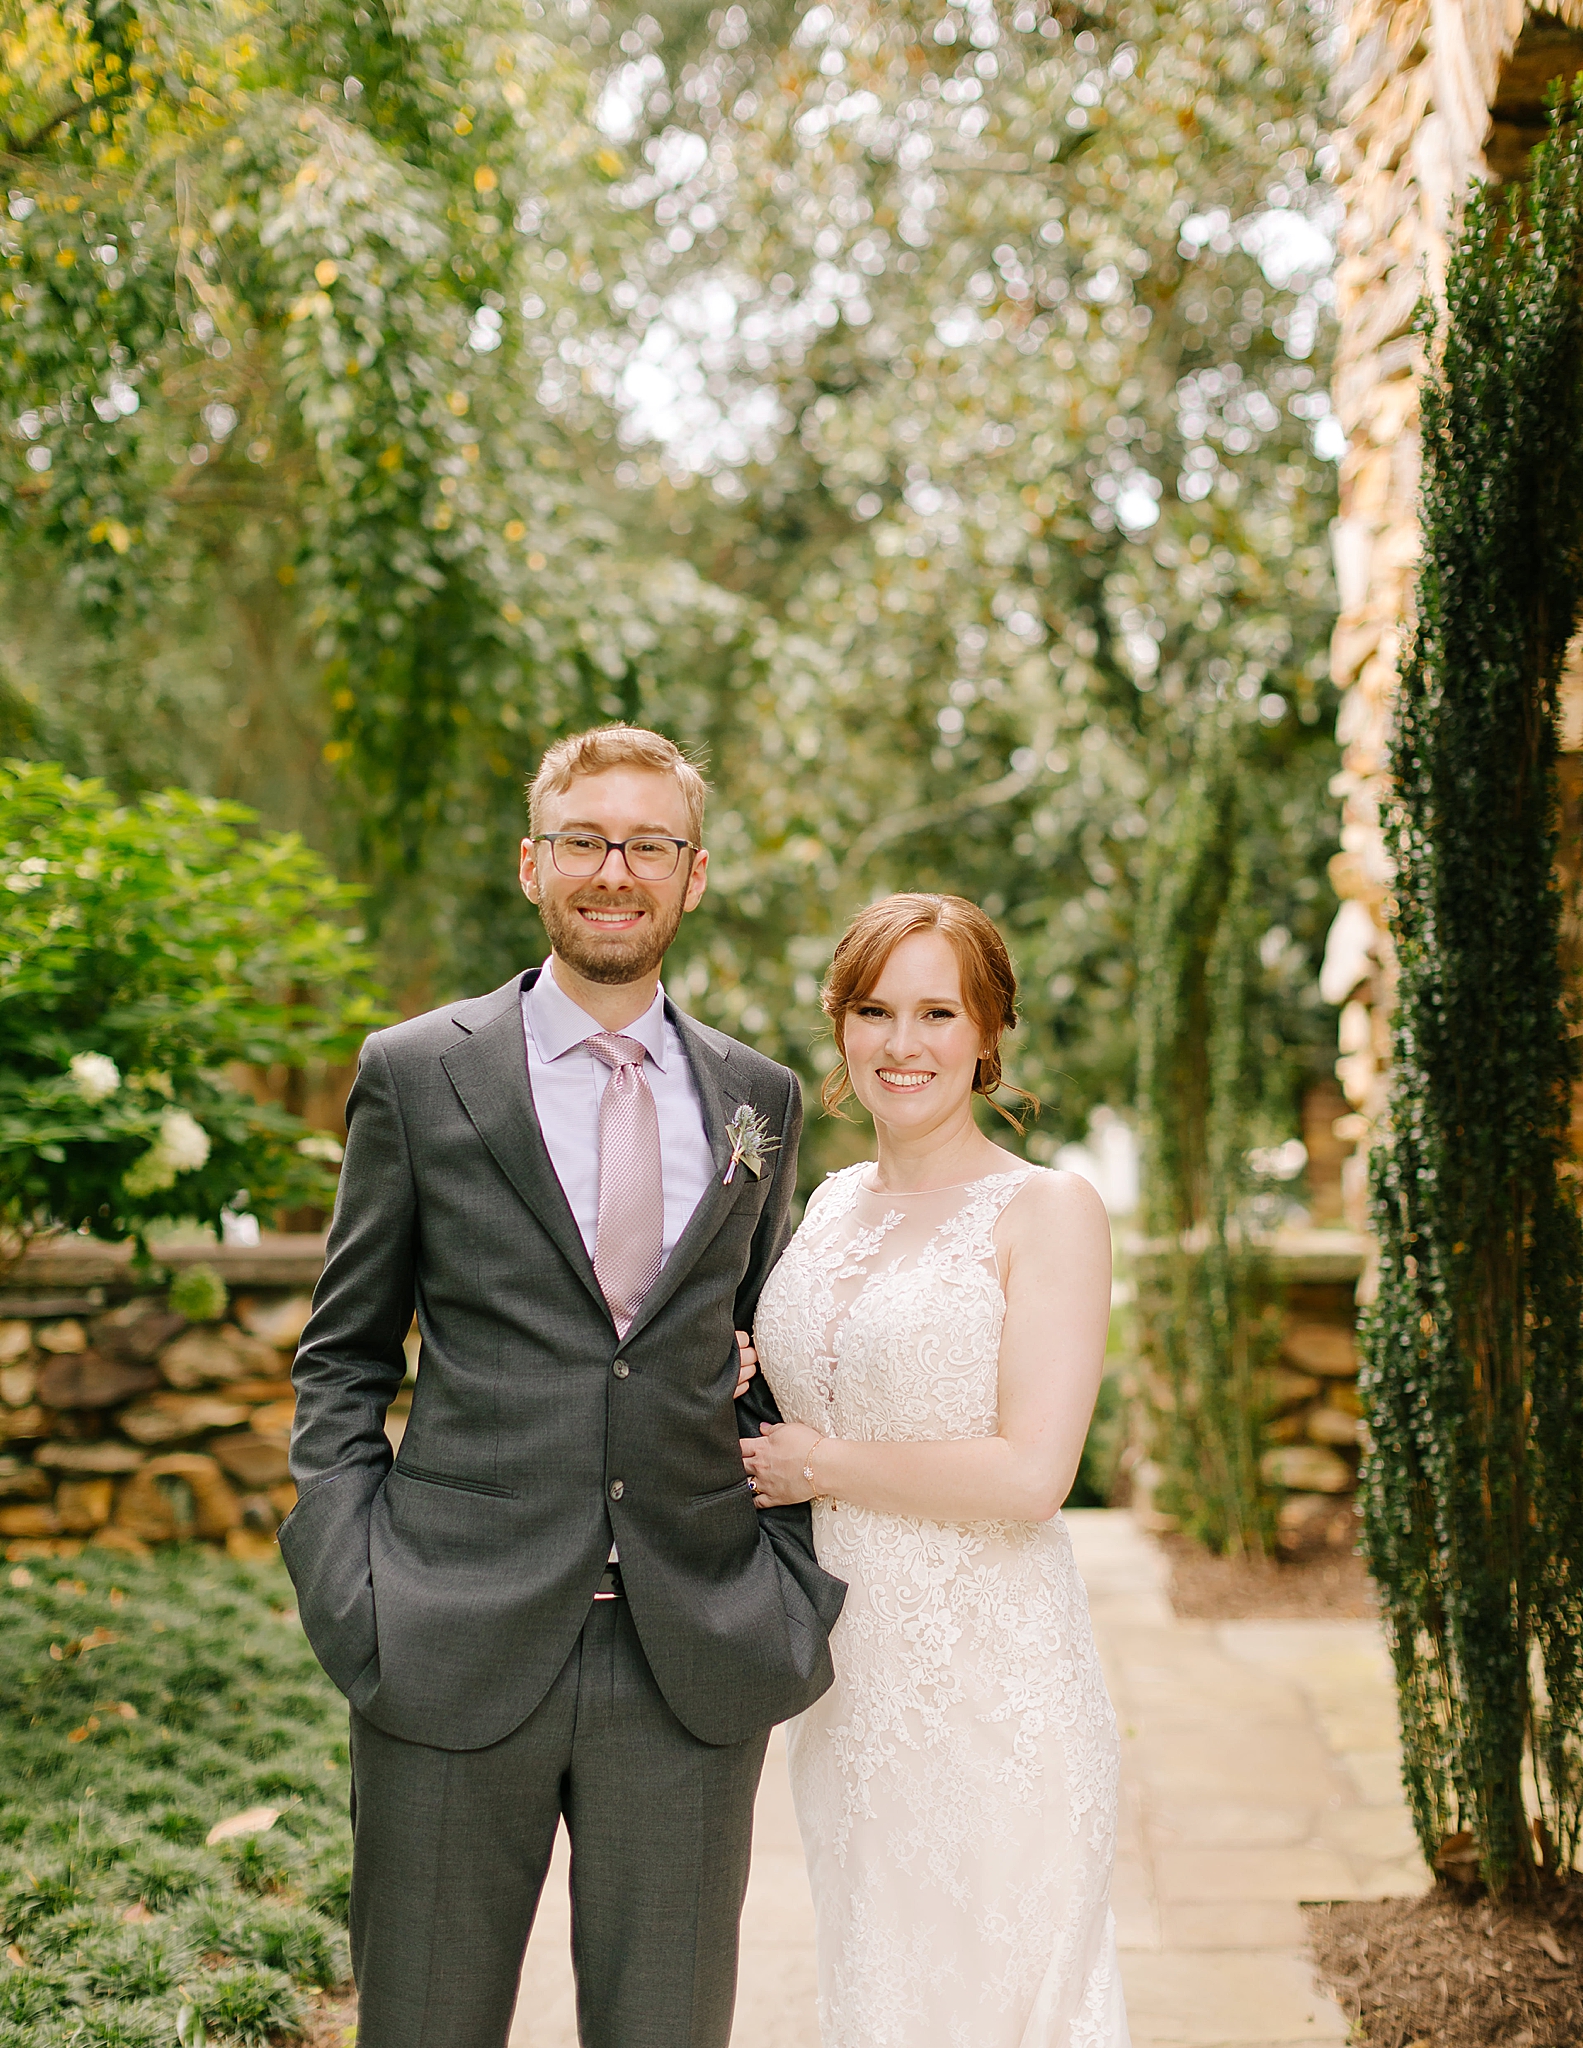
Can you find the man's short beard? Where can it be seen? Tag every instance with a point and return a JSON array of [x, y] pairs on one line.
[[608, 964]]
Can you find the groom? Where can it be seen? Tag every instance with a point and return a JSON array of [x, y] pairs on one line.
[[558, 1601]]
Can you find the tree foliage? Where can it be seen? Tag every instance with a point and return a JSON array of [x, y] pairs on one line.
[[910, 405], [1474, 1382], [143, 951], [1034, 484]]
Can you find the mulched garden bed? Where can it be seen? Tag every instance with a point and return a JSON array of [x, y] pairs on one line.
[[1324, 1580], [1452, 1970], [332, 2021]]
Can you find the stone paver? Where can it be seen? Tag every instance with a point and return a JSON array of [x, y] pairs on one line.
[[1226, 1999], [1259, 1769]]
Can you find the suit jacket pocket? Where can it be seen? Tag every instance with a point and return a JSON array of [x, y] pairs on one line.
[[738, 1489], [427, 1477], [325, 1544]]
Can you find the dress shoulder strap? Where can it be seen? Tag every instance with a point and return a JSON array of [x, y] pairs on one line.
[[835, 1194], [995, 1195], [969, 1235]]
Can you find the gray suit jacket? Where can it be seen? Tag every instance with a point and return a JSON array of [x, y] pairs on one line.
[[443, 1591]]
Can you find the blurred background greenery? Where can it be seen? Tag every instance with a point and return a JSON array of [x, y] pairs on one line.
[[920, 408]]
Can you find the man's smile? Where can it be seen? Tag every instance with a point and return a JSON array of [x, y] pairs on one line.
[[610, 920]]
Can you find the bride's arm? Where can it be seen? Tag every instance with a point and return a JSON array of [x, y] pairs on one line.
[[1054, 1242]]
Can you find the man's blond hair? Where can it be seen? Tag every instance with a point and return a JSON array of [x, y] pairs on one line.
[[617, 746]]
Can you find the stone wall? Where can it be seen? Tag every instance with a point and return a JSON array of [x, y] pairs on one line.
[[122, 1424], [1315, 1427], [1430, 94]]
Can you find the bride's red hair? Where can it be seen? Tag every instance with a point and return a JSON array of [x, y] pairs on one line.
[[989, 982]]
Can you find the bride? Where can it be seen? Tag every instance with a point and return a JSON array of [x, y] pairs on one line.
[[935, 1333]]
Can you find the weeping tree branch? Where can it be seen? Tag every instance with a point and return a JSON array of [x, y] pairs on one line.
[[885, 831]]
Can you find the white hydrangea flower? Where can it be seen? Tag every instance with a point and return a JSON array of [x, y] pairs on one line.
[[322, 1146], [146, 1176], [95, 1074], [184, 1139], [181, 1147]]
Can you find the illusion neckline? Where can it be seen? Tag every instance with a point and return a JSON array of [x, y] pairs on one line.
[[951, 1187]]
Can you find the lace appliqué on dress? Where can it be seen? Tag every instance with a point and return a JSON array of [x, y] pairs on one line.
[[956, 1788]]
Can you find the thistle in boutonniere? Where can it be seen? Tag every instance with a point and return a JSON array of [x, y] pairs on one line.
[[750, 1140]]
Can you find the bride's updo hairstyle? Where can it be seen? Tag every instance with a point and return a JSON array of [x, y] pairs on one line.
[[989, 984]]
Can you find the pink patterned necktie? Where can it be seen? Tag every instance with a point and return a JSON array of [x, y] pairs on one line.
[[629, 1239]]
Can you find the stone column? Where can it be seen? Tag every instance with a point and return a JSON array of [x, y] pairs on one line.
[[1416, 83]]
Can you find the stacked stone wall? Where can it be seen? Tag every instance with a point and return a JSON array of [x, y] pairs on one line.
[[1315, 1430], [1420, 113], [1309, 1399], [123, 1424]]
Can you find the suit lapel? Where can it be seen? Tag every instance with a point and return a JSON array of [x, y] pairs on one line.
[[707, 1056], [489, 1071]]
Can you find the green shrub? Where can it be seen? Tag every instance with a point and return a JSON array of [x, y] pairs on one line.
[[147, 948], [306, 1945], [330, 1889], [200, 1295], [246, 2004], [125, 2027], [160, 1879], [35, 1898], [262, 1863], [28, 2034], [30, 1995], [135, 1964], [118, 1816]]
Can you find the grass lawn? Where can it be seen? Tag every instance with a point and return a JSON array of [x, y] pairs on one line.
[[142, 1703]]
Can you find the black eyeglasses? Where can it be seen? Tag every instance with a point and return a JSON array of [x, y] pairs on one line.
[[649, 858]]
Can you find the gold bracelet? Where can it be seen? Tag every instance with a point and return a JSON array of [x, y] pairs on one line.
[[807, 1470]]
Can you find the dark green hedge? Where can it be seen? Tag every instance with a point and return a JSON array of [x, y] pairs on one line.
[[1474, 1379]]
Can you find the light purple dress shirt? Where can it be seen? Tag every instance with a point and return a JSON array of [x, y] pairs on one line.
[[568, 1082]]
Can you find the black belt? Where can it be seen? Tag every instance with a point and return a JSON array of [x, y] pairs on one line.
[[610, 1586]]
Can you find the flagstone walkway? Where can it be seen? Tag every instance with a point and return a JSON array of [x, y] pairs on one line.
[[1259, 1769]]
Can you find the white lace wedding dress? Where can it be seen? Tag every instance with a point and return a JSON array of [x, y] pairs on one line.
[[956, 1787]]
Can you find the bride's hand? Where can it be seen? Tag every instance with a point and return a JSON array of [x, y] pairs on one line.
[[775, 1460]]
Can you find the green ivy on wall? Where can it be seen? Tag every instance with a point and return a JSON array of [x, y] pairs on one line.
[[1472, 1375]]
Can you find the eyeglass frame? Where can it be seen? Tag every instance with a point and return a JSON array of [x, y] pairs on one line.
[[615, 846]]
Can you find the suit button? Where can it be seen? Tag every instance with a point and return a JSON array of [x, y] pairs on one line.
[[621, 1369], [617, 1488]]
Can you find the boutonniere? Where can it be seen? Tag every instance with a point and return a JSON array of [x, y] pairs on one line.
[[750, 1140]]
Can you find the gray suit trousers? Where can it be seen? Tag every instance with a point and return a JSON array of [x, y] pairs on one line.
[[451, 1849]]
